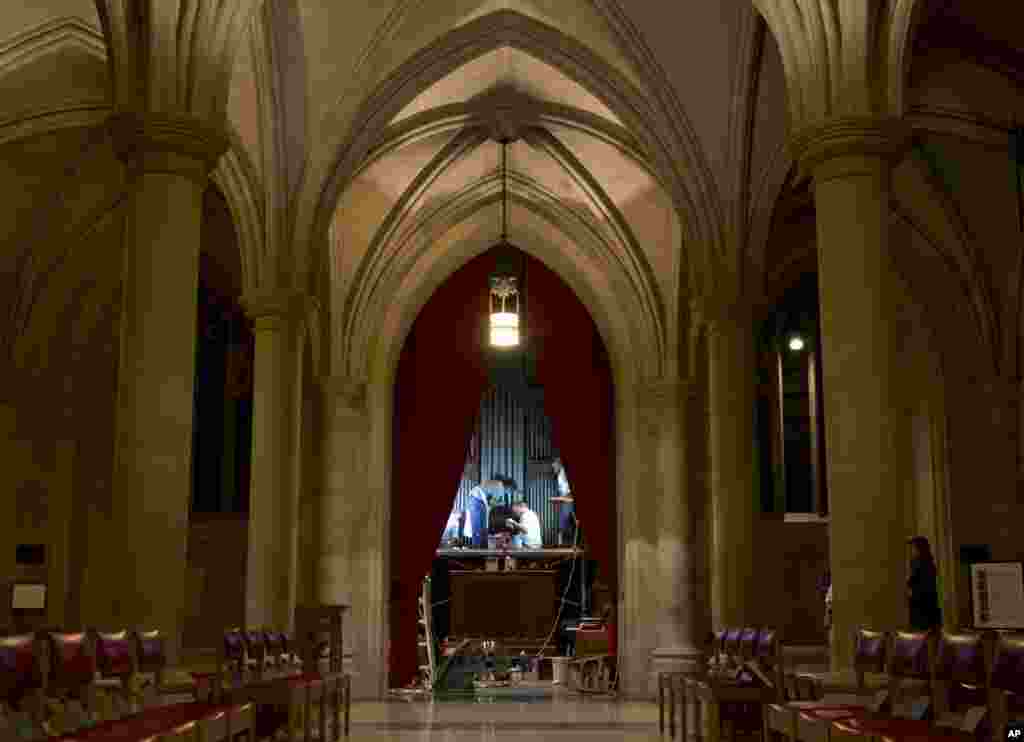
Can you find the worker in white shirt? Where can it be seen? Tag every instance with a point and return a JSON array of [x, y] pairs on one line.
[[528, 527]]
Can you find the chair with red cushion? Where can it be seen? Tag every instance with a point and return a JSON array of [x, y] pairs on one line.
[[151, 663], [115, 665], [23, 678], [732, 704], [1006, 684], [71, 676], [216, 719], [810, 721], [282, 700], [910, 674]]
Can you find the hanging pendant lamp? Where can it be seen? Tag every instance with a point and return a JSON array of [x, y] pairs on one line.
[[504, 288]]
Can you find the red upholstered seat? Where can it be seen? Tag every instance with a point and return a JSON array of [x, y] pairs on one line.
[[831, 713], [301, 680], [151, 722], [72, 663], [934, 737], [874, 727]]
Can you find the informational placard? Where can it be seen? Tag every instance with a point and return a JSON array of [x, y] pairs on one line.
[[997, 593], [28, 597]]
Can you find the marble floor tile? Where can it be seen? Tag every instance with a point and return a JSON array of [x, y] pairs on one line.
[[462, 720]]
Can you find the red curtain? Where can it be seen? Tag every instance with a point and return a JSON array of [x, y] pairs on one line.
[[442, 374], [574, 370]]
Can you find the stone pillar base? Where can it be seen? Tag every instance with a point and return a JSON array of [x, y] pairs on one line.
[[688, 660], [677, 659]]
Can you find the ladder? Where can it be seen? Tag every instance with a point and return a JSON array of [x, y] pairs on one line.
[[426, 641]]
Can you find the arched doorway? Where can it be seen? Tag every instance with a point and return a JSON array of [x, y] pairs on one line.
[[442, 374]]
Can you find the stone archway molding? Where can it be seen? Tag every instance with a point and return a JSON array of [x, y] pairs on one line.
[[665, 135]]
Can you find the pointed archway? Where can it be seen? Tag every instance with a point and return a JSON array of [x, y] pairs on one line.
[[446, 350]]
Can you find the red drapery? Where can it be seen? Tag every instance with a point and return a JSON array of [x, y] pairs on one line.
[[574, 370], [442, 374]]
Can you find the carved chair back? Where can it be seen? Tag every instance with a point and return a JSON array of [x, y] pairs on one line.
[[870, 649], [22, 670], [1006, 682], [115, 654], [959, 672], [72, 665]]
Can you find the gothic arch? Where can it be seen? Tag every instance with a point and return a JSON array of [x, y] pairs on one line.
[[665, 136]]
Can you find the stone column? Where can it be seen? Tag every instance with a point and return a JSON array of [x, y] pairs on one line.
[[850, 162], [271, 574], [350, 564], [680, 593], [169, 159], [732, 391]]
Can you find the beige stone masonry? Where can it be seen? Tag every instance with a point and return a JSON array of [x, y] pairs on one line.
[[272, 568], [152, 478], [731, 381], [850, 161]]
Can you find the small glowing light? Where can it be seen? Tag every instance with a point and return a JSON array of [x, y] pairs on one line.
[[504, 329], [796, 343]]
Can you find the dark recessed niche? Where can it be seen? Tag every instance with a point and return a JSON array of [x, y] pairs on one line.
[[30, 555]]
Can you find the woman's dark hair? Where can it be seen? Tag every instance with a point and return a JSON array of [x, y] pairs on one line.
[[924, 548]]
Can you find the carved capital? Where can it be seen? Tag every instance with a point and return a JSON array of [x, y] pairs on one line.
[[817, 146], [175, 144], [271, 309]]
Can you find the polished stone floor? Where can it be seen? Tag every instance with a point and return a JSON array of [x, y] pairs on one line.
[[568, 718]]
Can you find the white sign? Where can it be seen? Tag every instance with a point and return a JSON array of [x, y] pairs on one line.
[[997, 591], [28, 598]]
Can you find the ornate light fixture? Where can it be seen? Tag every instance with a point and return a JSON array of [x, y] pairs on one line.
[[504, 288]]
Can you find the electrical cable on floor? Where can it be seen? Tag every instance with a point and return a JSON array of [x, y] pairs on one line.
[[565, 593]]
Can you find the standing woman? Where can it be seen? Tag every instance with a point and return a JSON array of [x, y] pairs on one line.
[[923, 587]]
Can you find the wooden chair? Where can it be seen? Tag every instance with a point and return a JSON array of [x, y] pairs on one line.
[[115, 665], [959, 682], [811, 720], [283, 701], [217, 718], [22, 680], [594, 668], [910, 671], [732, 704], [70, 689]]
